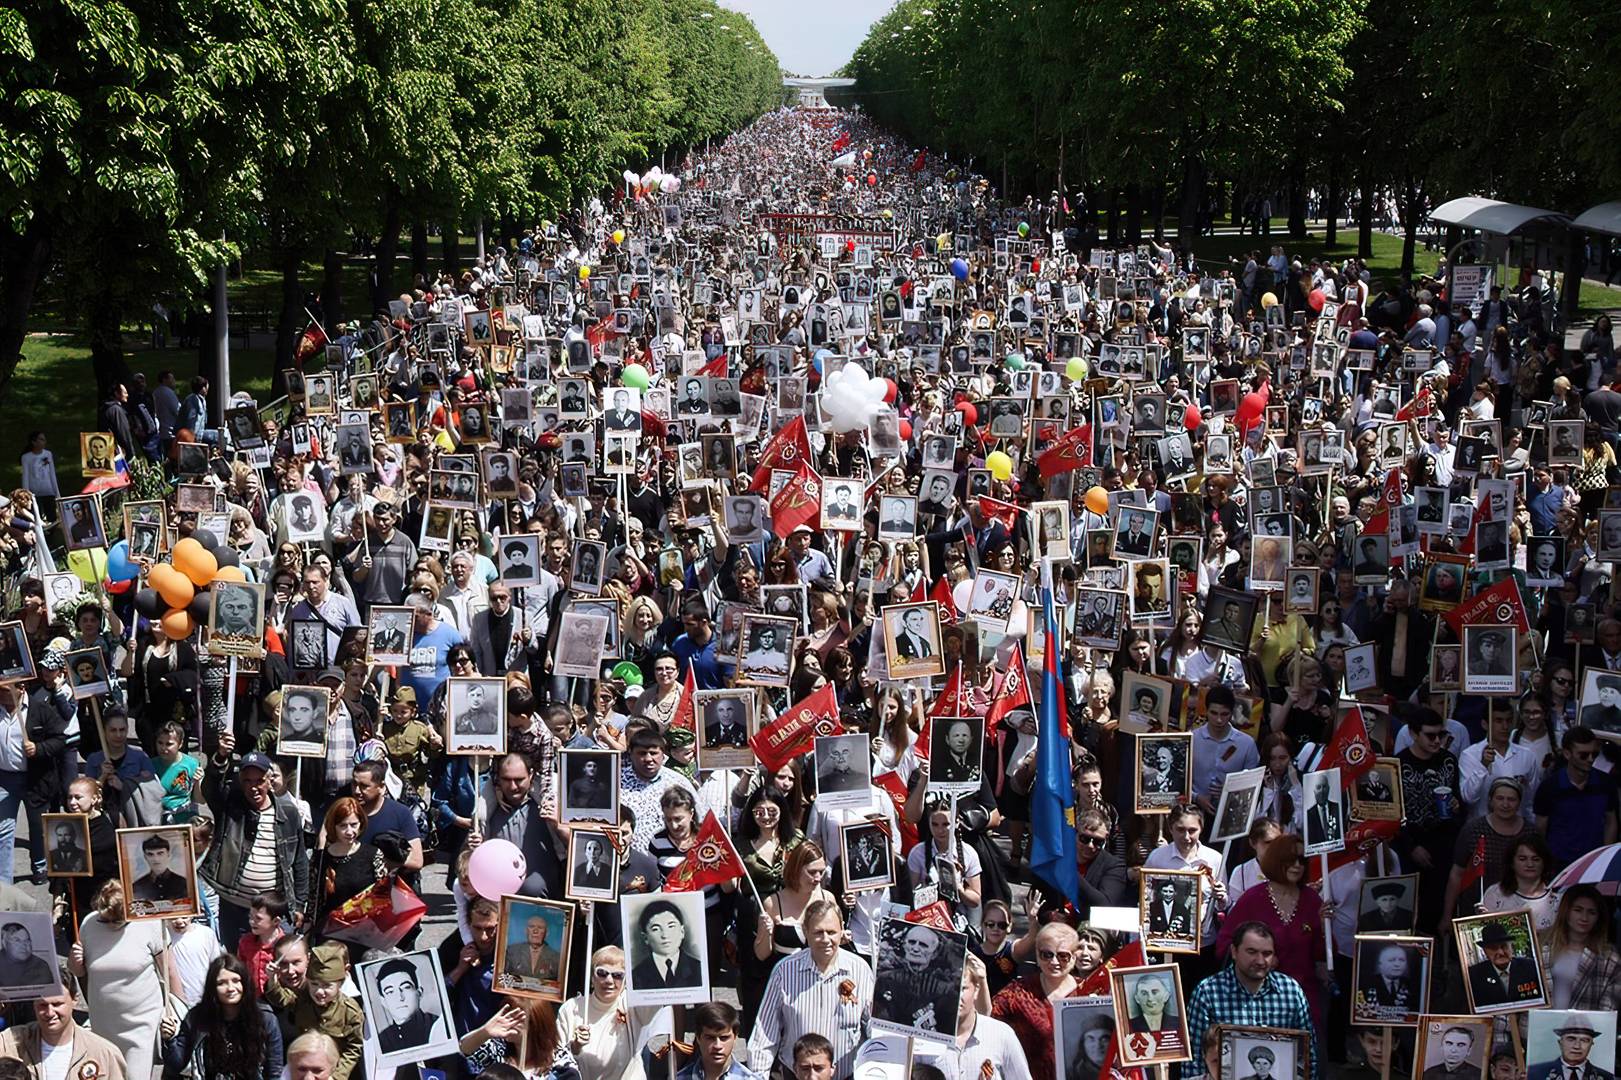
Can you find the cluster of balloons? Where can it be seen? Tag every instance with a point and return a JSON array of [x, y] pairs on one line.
[[176, 593], [851, 397], [651, 182]]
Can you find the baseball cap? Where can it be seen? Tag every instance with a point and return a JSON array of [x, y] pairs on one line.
[[255, 760]]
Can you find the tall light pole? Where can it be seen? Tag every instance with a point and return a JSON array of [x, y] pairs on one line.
[[222, 342]]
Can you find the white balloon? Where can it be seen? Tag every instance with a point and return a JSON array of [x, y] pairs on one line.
[[961, 592], [1019, 620]]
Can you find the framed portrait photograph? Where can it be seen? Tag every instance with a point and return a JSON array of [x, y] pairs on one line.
[[1260, 1053], [28, 943], [407, 1002], [1300, 585], [518, 559], [868, 857], [912, 643], [158, 870], [306, 518], [1361, 672], [727, 719], [388, 635], [1388, 905], [309, 645], [991, 602], [301, 723], [665, 958], [1446, 667], [1164, 771], [1152, 591], [581, 640], [764, 648], [1229, 619], [1325, 811], [843, 770], [1599, 706], [1371, 559], [842, 504], [956, 754], [399, 421], [1150, 1015], [532, 948], [1134, 532], [1502, 968], [67, 845], [1100, 616], [1565, 442], [475, 715], [1441, 587], [587, 567], [1083, 1030], [1168, 904], [588, 786], [1270, 557], [81, 521], [1390, 979], [1561, 1040], [1376, 795], [897, 517], [918, 978], [1145, 702], [937, 493], [1490, 660], [87, 673], [1545, 562], [593, 866], [500, 474], [246, 430], [745, 518], [1237, 804], [97, 450], [236, 613]]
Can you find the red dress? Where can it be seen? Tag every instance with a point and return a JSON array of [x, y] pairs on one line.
[[1299, 942], [1024, 1008]]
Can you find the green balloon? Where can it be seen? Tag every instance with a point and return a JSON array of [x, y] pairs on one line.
[[1024, 228], [635, 376], [628, 673], [1014, 361]]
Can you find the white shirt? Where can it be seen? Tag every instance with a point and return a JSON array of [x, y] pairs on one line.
[[1518, 762], [54, 1061], [1167, 857], [13, 731], [39, 473], [992, 1043]]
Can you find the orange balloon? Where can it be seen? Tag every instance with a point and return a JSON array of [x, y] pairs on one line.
[[177, 623], [195, 561], [1097, 500], [175, 588], [230, 573]]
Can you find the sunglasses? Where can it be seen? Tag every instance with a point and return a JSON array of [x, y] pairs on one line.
[[994, 924], [1093, 841], [1047, 956], [604, 973]]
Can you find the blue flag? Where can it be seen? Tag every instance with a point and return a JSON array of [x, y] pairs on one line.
[[1052, 798]]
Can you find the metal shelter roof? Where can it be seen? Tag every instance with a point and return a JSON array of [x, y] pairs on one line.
[[1603, 218], [1489, 215]]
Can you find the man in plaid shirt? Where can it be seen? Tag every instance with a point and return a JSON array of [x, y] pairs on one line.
[[1249, 992]]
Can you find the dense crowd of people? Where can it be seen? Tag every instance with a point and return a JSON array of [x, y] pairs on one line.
[[697, 582]]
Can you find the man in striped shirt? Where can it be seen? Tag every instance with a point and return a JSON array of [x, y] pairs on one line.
[[822, 989]]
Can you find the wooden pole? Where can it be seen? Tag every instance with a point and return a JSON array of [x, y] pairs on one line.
[[1328, 923], [590, 939], [230, 695], [1384, 1066], [101, 728]]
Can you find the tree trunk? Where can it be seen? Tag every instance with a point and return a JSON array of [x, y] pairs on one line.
[[1159, 212], [450, 246], [1114, 217], [23, 260], [1236, 215], [1364, 217], [1331, 210], [290, 320], [388, 244], [1297, 201], [331, 291], [1409, 221], [1193, 181], [1134, 213], [104, 318], [419, 254]]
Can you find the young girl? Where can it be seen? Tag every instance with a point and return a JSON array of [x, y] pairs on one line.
[[177, 773]]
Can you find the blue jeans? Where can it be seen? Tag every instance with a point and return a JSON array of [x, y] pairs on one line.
[[13, 786]]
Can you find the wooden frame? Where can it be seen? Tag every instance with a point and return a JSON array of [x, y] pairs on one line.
[[1370, 1002], [161, 904], [558, 922], [80, 823], [1171, 936], [1238, 1042]]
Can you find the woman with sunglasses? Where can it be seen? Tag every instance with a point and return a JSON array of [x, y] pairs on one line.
[[597, 1024], [1026, 1003], [994, 945]]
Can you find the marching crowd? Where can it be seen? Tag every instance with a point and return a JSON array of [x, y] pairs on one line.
[[788, 448]]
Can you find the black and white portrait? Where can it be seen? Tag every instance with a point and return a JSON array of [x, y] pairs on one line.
[[1169, 907], [868, 857], [956, 754], [389, 634], [1325, 811], [843, 771], [727, 717], [580, 643], [28, 960], [407, 1002], [897, 517], [1387, 905], [1163, 776], [1390, 980], [842, 505], [1236, 806], [664, 935], [476, 716], [593, 866], [912, 640], [764, 650], [586, 567], [1360, 671], [1490, 659], [588, 785], [745, 518], [87, 673], [67, 845], [918, 977], [158, 870], [518, 558], [81, 522], [501, 474], [301, 728], [236, 619]]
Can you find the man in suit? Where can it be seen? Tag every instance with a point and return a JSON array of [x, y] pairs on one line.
[[1323, 819], [532, 958], [912, 643], [592, 871], [1576, 1037], [1389, 987], [159, 882], [841, 506], [723, 723], [937, 497], [1170, 912], [1136, 539], [1490, 659], [1502, 978], [1389, 914], [957, 764], [621, 417], [837, 773], [1605, 714], [1457, 1043], [663, 933]]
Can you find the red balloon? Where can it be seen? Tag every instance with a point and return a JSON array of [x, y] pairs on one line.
[[890, 390], [1315, 299], [970, 415], [872, 179], [1191, 419], [849, 245], [906, 430]]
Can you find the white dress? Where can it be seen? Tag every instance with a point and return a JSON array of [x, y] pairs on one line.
[[122, 988]]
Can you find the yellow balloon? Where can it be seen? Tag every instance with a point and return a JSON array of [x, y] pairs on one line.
[[585, 272], [1269, 300], [619, 236], [1000, 464], [89, 565]]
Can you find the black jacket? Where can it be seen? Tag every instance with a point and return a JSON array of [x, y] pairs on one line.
[[222, 866], [49, 714]]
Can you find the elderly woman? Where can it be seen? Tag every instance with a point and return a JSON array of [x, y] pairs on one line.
[[1026, 1004], [595, 1026]]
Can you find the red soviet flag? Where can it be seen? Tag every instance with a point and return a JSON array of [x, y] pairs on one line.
[[787, 449], [798, 502], [792, 733], [1072, 451], [1389, 497], [1013, 693], [710, 861], [1349, 749], [941, 594], [685, 714]]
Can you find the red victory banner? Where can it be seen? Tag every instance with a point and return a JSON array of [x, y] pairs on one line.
[[788, 449], [892, 785], [936, 915], [1499, 605], [710, 861], [685, 716], [1349, 749], [792, 733], [1361, 838], [1072, 450], [798, 502]]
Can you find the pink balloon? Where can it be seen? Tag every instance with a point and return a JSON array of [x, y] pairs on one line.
[[496, 869], [1315, 298]]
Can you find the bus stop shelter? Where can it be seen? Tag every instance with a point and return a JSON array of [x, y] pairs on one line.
[[1518, 236]]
